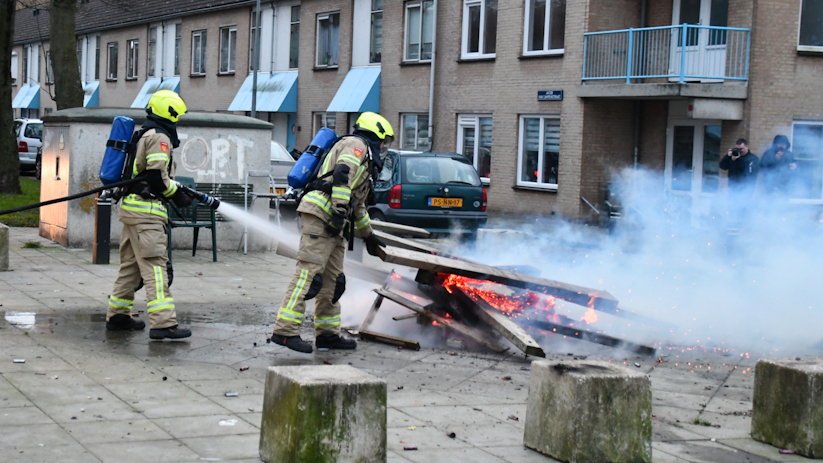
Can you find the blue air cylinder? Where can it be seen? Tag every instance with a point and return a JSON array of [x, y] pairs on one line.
[[306, 165], [115, 156]]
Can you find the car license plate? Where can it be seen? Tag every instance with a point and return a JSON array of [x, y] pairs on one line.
[[446, 202], [279, 191]]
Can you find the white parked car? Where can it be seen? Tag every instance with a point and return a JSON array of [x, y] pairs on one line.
[[29, 141], [281, 164]]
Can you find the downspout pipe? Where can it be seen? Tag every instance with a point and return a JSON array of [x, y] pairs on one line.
[[431, 80], [162, 50], [273, 35], [638, 105], [256, 60]]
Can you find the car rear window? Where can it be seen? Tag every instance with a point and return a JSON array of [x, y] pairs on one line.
[[33, 131], [427, 170], [17, 125]]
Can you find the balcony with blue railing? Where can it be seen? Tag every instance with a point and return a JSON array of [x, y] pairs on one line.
[[666, 61]]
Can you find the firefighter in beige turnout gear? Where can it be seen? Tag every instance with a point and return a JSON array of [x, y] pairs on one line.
[[338, 195], [143, 213]]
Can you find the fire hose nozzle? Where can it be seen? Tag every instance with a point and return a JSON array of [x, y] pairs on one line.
[[210, 201]]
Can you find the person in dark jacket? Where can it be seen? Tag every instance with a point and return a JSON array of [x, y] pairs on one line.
[[778, 165], [743, 166]]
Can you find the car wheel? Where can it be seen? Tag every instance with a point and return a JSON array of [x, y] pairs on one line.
[[38, 168], [375, 214]]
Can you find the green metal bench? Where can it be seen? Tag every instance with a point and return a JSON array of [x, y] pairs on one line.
[[196, 216]]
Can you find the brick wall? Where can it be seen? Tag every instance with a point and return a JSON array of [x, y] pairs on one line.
[[784, 85], [316, 88], [214, 92], [120, 93]]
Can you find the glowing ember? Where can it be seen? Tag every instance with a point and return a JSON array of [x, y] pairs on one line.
[[590, 317], [510, 305]]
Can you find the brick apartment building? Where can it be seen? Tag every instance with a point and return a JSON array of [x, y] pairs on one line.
[[546, 97]]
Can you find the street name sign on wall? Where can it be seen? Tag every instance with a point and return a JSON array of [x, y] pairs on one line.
[[549, 95]]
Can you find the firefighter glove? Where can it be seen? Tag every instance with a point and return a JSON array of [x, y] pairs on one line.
[[337, 223], [372, 243], [181, 199]]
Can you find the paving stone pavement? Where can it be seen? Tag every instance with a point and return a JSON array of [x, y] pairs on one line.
[[88, 395]]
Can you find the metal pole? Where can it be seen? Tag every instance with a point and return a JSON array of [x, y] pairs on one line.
[[100, 252], [431, 80], [255, 61]]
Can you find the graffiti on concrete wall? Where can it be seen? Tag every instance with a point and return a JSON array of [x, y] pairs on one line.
[[216, 160]]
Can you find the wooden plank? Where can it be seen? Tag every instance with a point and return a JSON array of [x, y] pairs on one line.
[[375, 306], [501, 323], [586, 335], [451, 324], [405, 243], [397, 229], [602, 300], [393, 340], [405, 317]]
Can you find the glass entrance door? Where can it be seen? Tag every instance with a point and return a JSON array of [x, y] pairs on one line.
[[705, 49], [692, 161]]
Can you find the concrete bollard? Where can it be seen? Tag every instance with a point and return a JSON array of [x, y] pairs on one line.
[[319, 414], [4, 248], [787, 409], [585, 411]]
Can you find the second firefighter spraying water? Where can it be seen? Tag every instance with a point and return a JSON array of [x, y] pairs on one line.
[[332, 205], [143, 253]]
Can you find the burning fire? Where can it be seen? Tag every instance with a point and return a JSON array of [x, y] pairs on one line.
[[510, 305]]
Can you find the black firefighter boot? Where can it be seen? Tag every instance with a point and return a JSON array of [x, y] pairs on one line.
[[295, 343], [172, 332], [335, 341], [123, 322]]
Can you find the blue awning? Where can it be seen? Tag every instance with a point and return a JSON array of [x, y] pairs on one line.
[[153, 85], [27, 98], [360, 92], [276, 93], [91, 99]]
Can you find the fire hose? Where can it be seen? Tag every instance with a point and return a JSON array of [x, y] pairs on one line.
[[204, 198]]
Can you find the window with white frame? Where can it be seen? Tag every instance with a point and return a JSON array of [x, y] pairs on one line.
[[178, 37], [228, 38], [479, 29], [97, 58], [131, 59], [807, 146], [328, 120], [376, 42], [545, 27], [49, 70], [14, 68], [151, 65], [328, 38], [811, 26], [419, 31], [415, 132], [538, 151], [26, 51], [198, 52], [294, 37], [111, 72], [474, 140], [35, 72], [79, 52]]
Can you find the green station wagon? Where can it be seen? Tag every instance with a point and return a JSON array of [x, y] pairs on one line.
[[440, 192]]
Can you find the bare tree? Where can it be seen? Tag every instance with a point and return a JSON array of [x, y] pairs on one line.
[[9, 159], [68, 89]]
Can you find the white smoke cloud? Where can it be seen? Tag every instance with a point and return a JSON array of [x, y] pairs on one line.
[[756, 291]]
